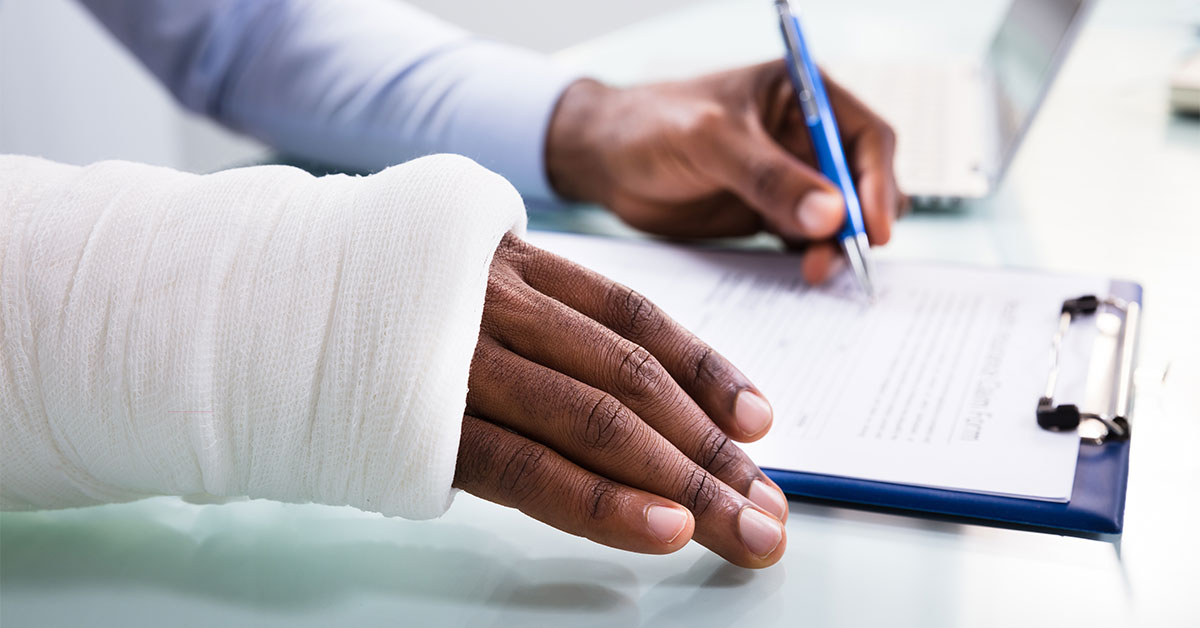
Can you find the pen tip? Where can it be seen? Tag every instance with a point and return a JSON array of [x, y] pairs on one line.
[[868, 287]]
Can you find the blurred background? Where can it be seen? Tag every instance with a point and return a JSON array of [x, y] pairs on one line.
[[69, 92]]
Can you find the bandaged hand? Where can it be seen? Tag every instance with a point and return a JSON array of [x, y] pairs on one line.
[[259, 332], [591, 410]]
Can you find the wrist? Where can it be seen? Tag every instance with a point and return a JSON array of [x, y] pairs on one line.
[[575, 162]]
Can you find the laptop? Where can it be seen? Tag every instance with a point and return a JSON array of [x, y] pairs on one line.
[[958, 125]]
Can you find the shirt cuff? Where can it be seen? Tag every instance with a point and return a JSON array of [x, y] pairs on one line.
[[504, 113]]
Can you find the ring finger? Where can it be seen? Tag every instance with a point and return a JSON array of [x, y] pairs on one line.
[[597, 432]]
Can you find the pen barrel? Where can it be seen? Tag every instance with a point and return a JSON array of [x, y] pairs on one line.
[[832, 163], [818, 116]]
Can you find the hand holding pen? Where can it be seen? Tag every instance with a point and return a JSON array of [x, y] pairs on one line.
[[723, 155]]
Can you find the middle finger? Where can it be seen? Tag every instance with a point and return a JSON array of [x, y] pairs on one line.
[[566, 341], [595, 431]]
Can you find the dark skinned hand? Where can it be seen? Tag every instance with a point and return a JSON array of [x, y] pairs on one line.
[[722, 155], [592, 411]]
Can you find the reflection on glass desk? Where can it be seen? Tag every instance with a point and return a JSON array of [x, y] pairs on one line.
[[1108, 182]]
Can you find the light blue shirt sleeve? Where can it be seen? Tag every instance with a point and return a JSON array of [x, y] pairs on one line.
[[362, 84]]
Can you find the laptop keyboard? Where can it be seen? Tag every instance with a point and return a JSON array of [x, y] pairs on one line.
[[934, 110]]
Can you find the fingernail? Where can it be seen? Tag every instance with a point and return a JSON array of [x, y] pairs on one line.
[[665, 522], [752, 412], [818, 211], [770, 498], [760, 532]]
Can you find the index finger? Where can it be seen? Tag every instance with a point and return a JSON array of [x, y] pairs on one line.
[[721, 391], [871, 149]]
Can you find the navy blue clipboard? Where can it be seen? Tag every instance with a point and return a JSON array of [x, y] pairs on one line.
[[1097, 502]]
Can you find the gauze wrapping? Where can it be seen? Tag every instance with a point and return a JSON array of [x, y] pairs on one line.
[[256, 332]]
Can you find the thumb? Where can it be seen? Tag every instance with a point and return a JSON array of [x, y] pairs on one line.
[[794, 198]]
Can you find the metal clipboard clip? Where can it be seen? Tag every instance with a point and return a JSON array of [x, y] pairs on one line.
[[1067, 417]]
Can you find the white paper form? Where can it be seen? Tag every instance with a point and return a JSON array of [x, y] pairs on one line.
[[933, 385]]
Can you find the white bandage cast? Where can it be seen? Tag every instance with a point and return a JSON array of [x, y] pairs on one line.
[[256, 332]]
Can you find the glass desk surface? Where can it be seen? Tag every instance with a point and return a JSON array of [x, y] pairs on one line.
[[1107, 182]]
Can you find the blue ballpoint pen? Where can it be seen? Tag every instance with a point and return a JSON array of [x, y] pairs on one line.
[[818, 115]]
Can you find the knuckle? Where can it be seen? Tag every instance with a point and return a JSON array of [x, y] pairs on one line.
[[634, 315], [513, 251], [887, 133], [639, 375], [717, 452], [507, 300], [522, 259], [501, 289], [706, 120], [539, 267], [605, 423], [883, 134], [518, 479], [706, 369], [699, 491], [767, 179], [604, 499], [710, 371]]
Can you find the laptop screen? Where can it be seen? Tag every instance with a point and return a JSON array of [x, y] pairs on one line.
[[1024, 56]]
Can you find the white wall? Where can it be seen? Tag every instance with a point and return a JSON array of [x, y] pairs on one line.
[[69, 92]]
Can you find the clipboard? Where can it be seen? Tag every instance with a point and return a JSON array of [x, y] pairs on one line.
[[1097, 503]]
